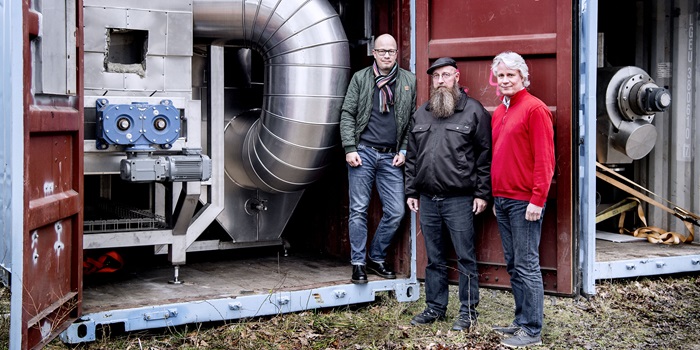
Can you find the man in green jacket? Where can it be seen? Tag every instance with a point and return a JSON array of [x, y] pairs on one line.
[[376, 112]]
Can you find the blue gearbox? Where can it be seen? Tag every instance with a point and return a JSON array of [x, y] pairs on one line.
[[139, 126]]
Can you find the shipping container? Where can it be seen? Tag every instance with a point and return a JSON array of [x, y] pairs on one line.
[[175, 162]]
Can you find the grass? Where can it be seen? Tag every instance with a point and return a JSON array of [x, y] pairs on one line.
[[644, 313]]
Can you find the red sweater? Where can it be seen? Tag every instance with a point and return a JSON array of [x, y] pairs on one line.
[[523, 149]]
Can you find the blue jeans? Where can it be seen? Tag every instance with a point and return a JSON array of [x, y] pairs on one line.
[[455, 214], [521, 247], [376, 167]]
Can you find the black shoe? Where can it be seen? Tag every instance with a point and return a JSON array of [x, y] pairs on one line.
[[359, 276], [427, 316], [380, 269], [463, 322]]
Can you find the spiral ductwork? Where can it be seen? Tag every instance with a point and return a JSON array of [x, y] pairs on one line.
[[307, 68]]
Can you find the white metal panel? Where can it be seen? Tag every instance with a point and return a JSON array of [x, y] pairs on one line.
[[95, 76], [587, 150], [155, 23], [11, 144], [154, 79], [178, 73], [156, 5], [57, 48], [179, 40], [97, 20]]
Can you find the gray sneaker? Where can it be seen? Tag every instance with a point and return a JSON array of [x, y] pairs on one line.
[[520, 339], [507, 330]]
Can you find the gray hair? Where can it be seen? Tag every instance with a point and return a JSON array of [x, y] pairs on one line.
[[512, 61]]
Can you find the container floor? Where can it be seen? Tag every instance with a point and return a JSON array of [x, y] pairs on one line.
[[612, 251], [213, 278]]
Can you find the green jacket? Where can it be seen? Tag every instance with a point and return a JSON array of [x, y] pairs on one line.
[[357, 107]]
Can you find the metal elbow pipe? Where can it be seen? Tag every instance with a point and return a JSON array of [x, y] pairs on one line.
[[307, 69]]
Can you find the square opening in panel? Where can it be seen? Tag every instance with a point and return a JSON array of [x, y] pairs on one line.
[[126, 51]]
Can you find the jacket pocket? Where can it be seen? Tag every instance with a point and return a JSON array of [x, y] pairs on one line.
[[420, 135], [460, 128], [419, 128], [458, 138]]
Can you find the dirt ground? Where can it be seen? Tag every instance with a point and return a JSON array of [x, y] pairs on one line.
[[644, 313]]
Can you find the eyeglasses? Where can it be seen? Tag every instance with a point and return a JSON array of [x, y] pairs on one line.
[[384, 52], [444, 75]]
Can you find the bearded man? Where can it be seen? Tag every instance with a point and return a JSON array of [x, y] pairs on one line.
[[448, 166]]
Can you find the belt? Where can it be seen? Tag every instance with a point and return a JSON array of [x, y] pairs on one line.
[[383, 149], [435, 197]]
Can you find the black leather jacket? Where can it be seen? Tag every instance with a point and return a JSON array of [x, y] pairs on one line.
[[450, 156]]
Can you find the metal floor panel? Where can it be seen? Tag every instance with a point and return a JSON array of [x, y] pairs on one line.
[[611, 251], [214, 279], [635, 259]]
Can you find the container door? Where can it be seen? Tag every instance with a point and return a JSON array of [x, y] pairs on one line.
[[473, 32], [51, 271]]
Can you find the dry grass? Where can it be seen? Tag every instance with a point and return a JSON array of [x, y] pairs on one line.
[[633, 314], [646, 313]]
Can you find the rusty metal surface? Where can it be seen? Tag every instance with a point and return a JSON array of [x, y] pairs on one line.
[[473, 32], [53, 155]]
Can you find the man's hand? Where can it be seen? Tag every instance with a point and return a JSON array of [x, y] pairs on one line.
[[353, 159], [479, 206], [412, 204], [399, 159], [533, 212]]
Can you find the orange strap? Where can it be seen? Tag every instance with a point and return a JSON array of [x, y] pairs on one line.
[[651, 233], [107, 262]]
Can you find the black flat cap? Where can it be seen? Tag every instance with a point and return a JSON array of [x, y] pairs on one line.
[[441, 62]]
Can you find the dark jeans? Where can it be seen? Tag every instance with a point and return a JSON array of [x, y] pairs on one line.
[[376, 168], [521, 244], [455, 214]]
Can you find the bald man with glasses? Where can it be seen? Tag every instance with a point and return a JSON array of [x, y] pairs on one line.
[[373, 123]]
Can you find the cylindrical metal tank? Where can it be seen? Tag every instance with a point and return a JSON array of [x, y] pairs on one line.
[[307, 69]]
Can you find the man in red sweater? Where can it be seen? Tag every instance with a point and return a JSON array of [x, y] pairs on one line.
[[521, 173]]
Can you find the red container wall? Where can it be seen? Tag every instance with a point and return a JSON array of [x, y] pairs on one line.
[[473, 32], [53, 200]]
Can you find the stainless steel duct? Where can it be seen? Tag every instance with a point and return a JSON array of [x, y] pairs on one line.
[[307, 68]]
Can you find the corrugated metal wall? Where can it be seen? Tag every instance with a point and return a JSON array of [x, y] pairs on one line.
[[672, 169]]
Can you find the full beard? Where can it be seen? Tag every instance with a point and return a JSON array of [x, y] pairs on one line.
[[443, 101]]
